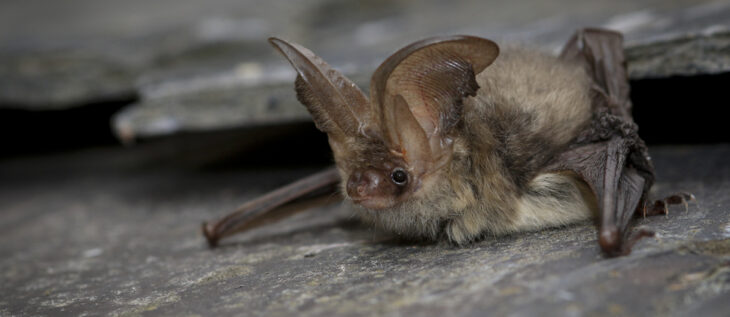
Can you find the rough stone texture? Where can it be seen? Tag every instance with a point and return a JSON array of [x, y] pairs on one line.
[[164, 53], [116, 232], [215, 108], [223, 106], [682, 39], [151, 41], [57, 80], [691, 54]]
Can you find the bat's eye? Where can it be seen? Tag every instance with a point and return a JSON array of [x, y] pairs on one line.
[[399, 176]]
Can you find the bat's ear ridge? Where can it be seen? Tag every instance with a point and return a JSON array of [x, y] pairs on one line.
[[337, 105], [429, 79], [433, 76]]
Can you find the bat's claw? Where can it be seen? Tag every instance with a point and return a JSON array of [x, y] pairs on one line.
[[210, 236], [661, 206], [640, 234], [613, 245], [681, 198]]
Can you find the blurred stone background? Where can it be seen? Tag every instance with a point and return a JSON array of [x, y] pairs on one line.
[[207, 113]]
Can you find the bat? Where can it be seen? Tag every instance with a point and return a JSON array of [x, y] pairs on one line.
[[460, 138]]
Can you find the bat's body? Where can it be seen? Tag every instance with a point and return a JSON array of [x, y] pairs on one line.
[[459, 140], [528, 108]]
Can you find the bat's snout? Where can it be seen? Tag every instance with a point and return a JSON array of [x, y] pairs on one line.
[[364, 184], [370, 188]]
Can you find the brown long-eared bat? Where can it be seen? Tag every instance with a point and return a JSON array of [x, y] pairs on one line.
[[459, 139]]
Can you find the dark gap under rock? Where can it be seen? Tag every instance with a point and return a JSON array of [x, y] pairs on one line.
[[297, 144], [687, 110], [24, 132], [671, 110]]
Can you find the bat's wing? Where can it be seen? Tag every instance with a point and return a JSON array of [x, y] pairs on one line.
[[608, 154], [275, 205], [338, 107]]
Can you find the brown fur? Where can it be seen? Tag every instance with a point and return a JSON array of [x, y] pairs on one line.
[[472, 155], [528, 107]]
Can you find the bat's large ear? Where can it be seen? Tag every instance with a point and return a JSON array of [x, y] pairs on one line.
[[337, 105], [426, 83]]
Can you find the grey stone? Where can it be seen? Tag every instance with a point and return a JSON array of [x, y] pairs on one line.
[[197, 106], [62, 79], [211, 109], [124, 45], [125, 48], [692, 54], [117, 232], [682, 38]]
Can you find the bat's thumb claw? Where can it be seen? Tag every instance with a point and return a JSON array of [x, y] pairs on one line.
[[209, 233]]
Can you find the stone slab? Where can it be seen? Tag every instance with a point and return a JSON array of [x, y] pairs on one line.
[[170, 49], [116, 232]]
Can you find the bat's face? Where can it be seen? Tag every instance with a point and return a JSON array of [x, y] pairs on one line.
[[388, 147], [375, 176], [381, 186]]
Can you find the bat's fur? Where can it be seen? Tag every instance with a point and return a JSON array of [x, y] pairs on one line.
[[528, 108], [458, 140]]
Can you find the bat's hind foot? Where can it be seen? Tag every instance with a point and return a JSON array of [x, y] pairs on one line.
[[613, 246], [661, 206]]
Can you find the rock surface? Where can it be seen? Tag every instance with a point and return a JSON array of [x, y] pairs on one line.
[[103, 232], [51, 80], [200, 67], [116, 231], [686, 39], [688, 55]]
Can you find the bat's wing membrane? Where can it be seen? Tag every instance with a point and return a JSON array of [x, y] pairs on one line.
[[608, 154]]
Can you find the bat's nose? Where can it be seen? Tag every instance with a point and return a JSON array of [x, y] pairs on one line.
[[363, 184]]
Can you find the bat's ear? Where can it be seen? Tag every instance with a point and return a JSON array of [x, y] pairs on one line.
[[337, 105], [430, 79]]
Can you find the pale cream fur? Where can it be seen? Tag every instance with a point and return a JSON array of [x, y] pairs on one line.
[[548, 208]]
